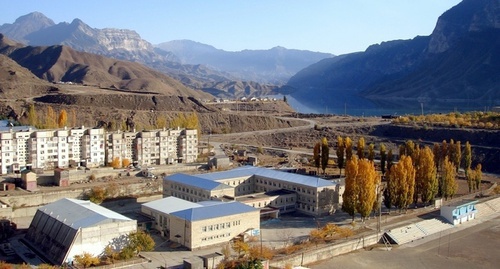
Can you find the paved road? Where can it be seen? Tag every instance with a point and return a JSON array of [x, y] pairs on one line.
[[470, 246]]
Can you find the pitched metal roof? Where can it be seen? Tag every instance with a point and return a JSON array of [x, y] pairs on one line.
[[196, 181], [81, 214], [248, 171], [170, 204], [214, 211]]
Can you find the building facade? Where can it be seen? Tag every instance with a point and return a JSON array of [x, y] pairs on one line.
[[259, 187], [93, 147]]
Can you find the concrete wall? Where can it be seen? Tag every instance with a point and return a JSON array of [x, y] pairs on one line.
[[22, 208], [318, 254]]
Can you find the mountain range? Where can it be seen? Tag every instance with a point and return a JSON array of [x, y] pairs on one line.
[[196, 65], [458, 65]]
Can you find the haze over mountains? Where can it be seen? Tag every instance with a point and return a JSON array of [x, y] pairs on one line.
[[458, 65], [190, 62]]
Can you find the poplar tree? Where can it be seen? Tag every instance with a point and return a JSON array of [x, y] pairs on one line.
[[426, 176], [348, 148], [449, 182], [350, 198], [361, 148], [467, 158], [389, 160], [340, 153], [32, 117], [436, 149], [325, 154], [50, 118], [371, 152], [478, 175], [402, 182], [317, 156], [457, 157], [383, 158], [367, 180], [63, 118], [73, 118]]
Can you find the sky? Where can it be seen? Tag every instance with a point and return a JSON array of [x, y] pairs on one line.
[[332, 26]]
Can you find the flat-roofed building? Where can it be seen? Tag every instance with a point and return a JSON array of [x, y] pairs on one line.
[[160, 210], [195, 189], [213, 224]]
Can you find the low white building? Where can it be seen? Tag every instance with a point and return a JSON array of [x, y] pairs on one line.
[[70, 227]]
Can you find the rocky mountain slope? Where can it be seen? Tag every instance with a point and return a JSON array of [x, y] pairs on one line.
[[61, 63], [275, 65], [205, 71], [458, 63]]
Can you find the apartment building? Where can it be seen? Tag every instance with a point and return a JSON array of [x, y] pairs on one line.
[[92, 147]]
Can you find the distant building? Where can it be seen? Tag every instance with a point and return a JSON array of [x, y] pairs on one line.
[[219, 161], [28, 180], [70, 227], [49, 149], [459, 212]]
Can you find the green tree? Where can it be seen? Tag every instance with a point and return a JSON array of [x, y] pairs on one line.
[[457, 156], [467, 158], [383, 158], [32, 117], [317, 155], [140, 241], [361, 148], [97, 194], [325, 154], [87, 260], [340, 153], [478, 176], [390, 159]]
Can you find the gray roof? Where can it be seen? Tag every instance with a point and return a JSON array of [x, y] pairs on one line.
[[170, 204], [214, 211], [81, 214], [269, 173], [196, 181]]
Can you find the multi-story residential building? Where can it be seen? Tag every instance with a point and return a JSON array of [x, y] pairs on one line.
[[48, 149]]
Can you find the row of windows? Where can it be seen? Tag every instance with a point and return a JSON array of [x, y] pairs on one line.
[[219, 226], [208, 238]]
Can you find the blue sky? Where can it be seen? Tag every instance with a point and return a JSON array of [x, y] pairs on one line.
[[334, 26]]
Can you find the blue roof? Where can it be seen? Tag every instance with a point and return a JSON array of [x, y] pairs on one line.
[[214, 211], [269, 173], [196, 181]]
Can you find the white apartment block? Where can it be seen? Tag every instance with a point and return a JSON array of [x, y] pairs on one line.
[[48, 149]]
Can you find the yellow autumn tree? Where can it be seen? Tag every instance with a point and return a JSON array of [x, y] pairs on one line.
[[63, 118], [449, 183], [348, 148], [350, 196], [426, 183], [361, 148], [116, 163], [367, 180], [402, 182]]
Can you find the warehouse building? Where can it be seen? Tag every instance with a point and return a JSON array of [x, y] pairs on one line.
[[70, 227]]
